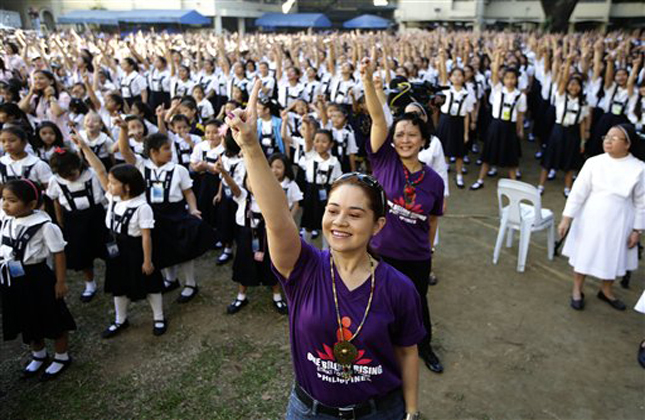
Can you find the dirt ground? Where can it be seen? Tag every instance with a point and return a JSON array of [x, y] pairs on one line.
[[511, 346]]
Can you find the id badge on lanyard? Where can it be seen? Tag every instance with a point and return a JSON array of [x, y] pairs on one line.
[[157, 192], [112, 249], [506, 114], [266, 141], [322, 194], [616, 108], [15, 269]]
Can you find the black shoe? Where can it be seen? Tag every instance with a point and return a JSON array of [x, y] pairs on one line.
[[236, 306], [616, 303], [432, 361], [224, 258], [281, 307], [169, 287], [625, 281], [183, 298], [459, 183], [49, 376], [433, 280], [31, 373], [157, 331], [86, 298], [110, 332], [579, 304], [641, 354]]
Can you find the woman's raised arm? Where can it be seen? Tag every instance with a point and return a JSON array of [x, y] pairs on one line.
[[282, 233], [378, 133]]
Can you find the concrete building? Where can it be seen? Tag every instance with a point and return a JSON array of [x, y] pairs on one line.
[[231, 15], [521, 13]]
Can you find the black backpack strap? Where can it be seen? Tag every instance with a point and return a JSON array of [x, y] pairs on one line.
[[20, 243]]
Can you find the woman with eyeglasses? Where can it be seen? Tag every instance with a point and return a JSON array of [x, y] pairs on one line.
[[415, 194], [354, 321], [604, 216]]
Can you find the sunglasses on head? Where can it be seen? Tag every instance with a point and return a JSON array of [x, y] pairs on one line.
[[370, 182]]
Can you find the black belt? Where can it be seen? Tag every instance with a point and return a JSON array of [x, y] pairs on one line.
[[350, 413]]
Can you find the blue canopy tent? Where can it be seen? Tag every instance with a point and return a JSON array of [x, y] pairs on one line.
[[367, 22], [98, 17], [111, 17], [293, 20]]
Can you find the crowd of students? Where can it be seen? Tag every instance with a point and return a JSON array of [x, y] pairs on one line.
[[122, 149]]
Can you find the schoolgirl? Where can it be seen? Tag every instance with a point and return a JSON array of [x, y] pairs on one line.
[[618, 89], [269, 128], [502, 146], [180, 84], [564, 148], [133, 85], [47, 139], [205, 76], [130, 274], [181, 140], [289, 88], [252, 264], [226, 207], [77, 111], [44, 101], [204, 156], [321, 169], [237, 79], [637, 117], [204, 107], [31, 293], [188, 107], [79, 207], [180, 235], [341, 84], [112, 110], [454, 123], [268, 81], [16, 163], [313, 87], [345, 148], [142, 110], [159, 83], [138, 130]]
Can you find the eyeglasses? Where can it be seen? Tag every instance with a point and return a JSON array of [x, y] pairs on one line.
[[370, 182], [612, 139]]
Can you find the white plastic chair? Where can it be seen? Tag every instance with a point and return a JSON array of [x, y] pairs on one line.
[[526, 218]]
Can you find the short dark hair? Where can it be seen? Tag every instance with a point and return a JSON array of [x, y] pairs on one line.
[[231, 148], [16, 131], [415, 119], [129, 175], [26, 190], [154, 142], [63, 162], [136, 118], [288, 170]]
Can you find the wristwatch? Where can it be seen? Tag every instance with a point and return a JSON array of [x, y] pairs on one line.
[[412, 416]]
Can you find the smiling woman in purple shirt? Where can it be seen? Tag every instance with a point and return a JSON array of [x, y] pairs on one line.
[[415, 195], [354, 321]]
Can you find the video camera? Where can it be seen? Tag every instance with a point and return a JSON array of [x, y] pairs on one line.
[[402, 92]]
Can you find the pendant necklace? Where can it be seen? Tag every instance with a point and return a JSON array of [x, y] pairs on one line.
[[409, 191], [344, 351]]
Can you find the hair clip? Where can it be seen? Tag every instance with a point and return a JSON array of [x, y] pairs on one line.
[[222, 129], [60, 151]]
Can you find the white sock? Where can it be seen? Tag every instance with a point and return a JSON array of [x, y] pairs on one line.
[[241, 296], [34, 365], [55, 367], [169, 274], [90, 287], [156, 303], [188, 273], [228, 250], [121, 308], [460, 178], [277, 297]]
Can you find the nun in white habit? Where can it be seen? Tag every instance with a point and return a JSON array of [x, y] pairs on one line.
[[604, 216]]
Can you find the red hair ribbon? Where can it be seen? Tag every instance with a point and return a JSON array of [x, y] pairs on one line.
[[60, 151]]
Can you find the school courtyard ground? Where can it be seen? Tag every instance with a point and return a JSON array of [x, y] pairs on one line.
[[511, 345]]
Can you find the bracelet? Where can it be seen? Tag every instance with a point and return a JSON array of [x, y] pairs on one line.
[[412, 416]]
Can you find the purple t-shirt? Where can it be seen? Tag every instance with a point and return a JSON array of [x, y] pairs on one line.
[[394, 320], [406, 235]]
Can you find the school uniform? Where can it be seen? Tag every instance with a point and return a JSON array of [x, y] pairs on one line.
[[614, 107], [132, 85], [311, 91], [219, 87], [268, 83], [159, 82], [344, 145], [636, 116], [237, 82], [178, 236], [340, 90], [205, 110], [288, 94], [563, 149], [207, 183], [292, 191], [101, 146], [180, 87], [181, 150], [502, 146], [226, 208], [451, 122], [319, 175], [83, 215], [204, 80], [269, 135], [125, 220], [27, 283], [250, 240], [30, 167]]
